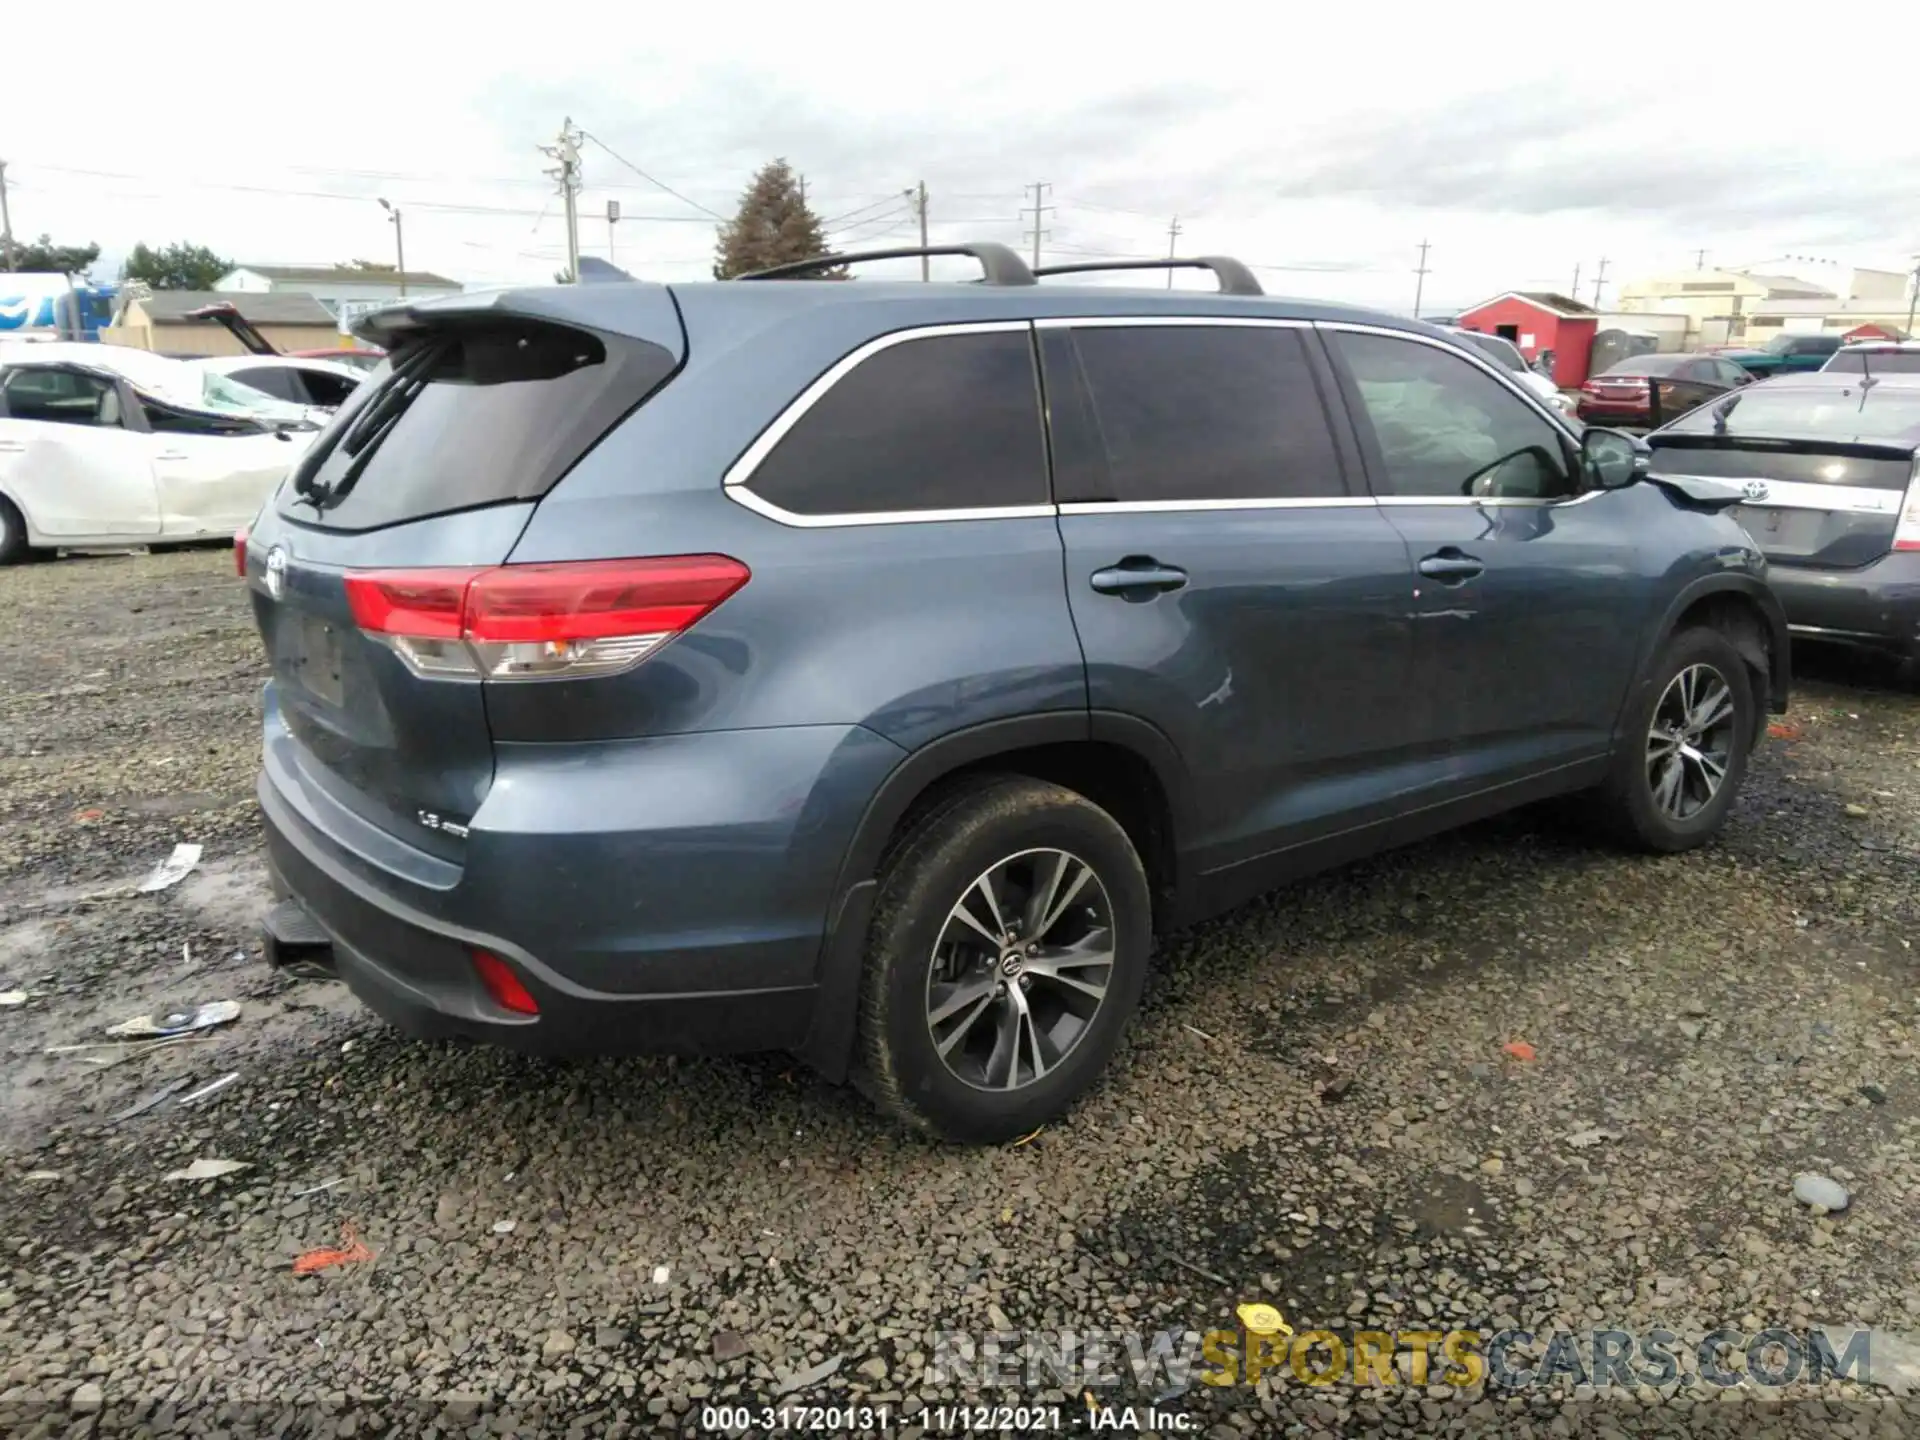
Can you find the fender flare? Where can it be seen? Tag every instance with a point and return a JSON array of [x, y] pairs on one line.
[[1778, 663], [829, 1044]]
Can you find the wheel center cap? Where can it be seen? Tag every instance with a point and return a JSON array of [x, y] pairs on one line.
[[1012, 963]]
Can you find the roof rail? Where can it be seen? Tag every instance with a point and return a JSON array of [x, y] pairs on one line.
[[1235, 278], [999, 265]]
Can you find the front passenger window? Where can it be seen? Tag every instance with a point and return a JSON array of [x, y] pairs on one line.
[[1446, 429]]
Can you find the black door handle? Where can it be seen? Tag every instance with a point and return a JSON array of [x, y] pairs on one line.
[[1450, 566], [1138, 577]]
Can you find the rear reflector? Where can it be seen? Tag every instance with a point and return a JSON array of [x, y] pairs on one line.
[[240, 552], [532, 622], [503, 985]]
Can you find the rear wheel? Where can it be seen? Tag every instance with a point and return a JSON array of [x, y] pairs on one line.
[[1007, 953], [1684, 753], [13, 534]]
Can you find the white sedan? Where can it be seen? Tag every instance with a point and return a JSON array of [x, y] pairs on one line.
[[91, 457]]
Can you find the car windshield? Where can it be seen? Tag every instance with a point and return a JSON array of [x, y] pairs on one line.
[[1495, 347], [224, 393], [1842, 412]]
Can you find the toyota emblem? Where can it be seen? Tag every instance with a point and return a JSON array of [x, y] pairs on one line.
[[277, 571], [1754, 489]]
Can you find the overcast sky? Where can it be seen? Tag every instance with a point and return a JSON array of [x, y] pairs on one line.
[[1520, 141]]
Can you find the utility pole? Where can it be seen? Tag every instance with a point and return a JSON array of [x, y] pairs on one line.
[[1599, 282], [399, 243], [1699, 259], [1040, 209], [566, 153], [1173, 244], [6, 223], [919, 198], [1420, 280], [1575, 291], [613, 219]]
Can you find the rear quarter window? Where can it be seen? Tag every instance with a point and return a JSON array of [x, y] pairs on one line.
[[468, 416], [936, 422]]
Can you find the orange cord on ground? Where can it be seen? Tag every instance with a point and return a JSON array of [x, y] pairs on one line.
[[350, 1252]]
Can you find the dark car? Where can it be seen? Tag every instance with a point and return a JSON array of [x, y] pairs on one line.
[[872, 670], [1648, 390], [1826, 465], [1785, 355]]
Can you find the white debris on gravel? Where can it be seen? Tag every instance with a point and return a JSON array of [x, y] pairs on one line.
[[172, 870]]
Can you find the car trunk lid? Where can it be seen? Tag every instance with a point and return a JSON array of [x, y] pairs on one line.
[[1818, 503], [431, 471]]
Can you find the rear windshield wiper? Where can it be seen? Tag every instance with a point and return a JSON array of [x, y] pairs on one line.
[[375, 421], [1722, 410]]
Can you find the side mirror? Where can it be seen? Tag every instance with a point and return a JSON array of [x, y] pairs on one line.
[[1613, 459]]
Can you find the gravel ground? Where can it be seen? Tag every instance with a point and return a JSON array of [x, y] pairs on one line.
[[1318, 1110]]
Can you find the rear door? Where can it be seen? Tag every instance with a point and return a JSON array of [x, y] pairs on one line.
[[71, 459], [1526, 611], [428, 475], [1227, 581]]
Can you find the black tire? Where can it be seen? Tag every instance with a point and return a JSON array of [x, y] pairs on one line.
[[968, 834], [1627, 803], [13, 534]]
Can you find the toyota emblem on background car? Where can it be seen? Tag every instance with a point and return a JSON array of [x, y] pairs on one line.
[[277, 571], [1753, 490]]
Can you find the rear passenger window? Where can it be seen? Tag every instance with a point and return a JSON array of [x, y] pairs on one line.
[[1202, 412], [948, 422]]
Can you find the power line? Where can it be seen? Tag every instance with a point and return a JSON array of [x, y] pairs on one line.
[[644, 176]]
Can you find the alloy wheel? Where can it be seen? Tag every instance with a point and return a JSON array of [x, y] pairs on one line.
[[1690, 742], [1020, 969]]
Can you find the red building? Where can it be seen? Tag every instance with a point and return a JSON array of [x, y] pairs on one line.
[[1539, 321], [1871, 331]]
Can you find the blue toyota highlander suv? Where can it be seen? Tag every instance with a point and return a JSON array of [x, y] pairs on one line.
[[870, 670]]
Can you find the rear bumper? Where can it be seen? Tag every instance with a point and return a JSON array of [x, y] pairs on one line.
[[1601, 413], [656, 936], [1877, 605]]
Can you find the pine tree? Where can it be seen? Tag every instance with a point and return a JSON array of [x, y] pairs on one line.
[[773, 226]]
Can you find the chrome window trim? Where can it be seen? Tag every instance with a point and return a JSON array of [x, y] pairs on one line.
[[1176, 507], [734, 484], [1121, 322], [761, 506], [1489, 500]]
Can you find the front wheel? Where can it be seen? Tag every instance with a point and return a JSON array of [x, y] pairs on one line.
[[1007, 953], [1684, 751]]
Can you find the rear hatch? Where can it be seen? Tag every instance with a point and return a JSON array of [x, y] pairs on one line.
[[1826, 470], [423, 481]]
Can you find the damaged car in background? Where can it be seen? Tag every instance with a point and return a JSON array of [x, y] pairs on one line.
[[90, 456]]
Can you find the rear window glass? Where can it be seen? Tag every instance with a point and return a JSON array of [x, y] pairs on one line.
[[948, 422], [1875, 362], [1841, 412], [1649, 365], [470, 416]]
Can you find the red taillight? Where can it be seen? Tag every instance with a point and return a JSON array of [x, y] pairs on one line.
[[426, 604], [599, 599], [530, 622], [503, 985], [240, 552]]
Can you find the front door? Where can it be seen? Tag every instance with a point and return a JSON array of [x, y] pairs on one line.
[[1527, 610], [71, 463], [1229, 581]]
